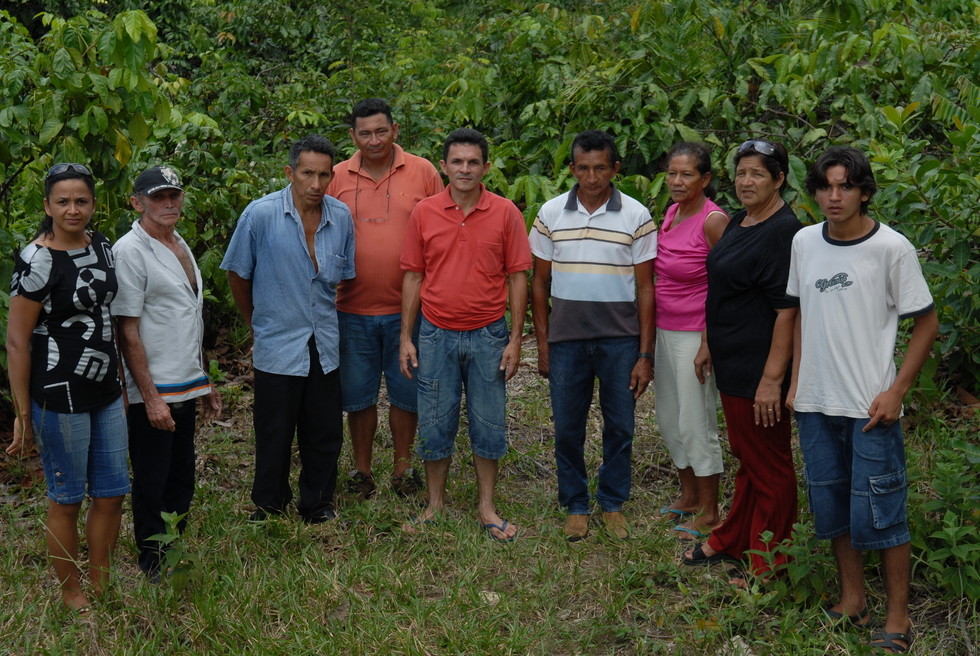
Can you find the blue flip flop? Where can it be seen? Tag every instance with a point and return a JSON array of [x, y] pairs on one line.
[[698, 535], [667, 510], [502, 528]]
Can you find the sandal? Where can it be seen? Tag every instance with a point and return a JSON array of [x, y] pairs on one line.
[[853, 620], [885, 640], [699, 558]]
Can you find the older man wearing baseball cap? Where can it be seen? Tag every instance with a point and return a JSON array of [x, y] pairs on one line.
[[158, 308]]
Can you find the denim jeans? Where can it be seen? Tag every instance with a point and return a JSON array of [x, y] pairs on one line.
[[856, 480], [574, 366], [83, 450], [450, 361], [368, 349]]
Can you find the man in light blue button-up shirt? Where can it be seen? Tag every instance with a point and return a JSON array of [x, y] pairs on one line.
[[288, 254]]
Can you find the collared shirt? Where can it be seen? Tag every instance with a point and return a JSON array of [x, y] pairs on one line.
[[465, 259], [593, 286], [380, 209], [291, 300], [154, 287]]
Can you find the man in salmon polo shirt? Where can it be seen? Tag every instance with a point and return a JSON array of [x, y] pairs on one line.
[[465, 259], [381, 184]]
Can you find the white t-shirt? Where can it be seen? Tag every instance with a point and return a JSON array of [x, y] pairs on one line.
[[852, 295], [154, 287]]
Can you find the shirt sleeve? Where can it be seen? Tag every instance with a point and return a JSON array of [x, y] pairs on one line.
[[775, 270], [908, 286], [434, 184], [240, 256], [349, 272], [131, 277], [540, 238], [518, 254], [645, 239], [793, 281], [33, 274], [412, 257]]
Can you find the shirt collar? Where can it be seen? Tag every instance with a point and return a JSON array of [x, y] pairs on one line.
[[482, 204], [614, 204]]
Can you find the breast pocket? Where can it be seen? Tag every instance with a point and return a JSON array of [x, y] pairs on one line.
[[332, 268], [490, 258]]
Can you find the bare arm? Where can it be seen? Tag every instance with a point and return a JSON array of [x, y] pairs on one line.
[[887, 406], [411, 302], [517, 300], [714, 227], [21, 320], [540, 297], [157, 410], [241, 291], [768, 405], [797, 352], [642, 372]]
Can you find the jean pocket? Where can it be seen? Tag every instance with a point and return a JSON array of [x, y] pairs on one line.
[[496, 334], [888, 493]]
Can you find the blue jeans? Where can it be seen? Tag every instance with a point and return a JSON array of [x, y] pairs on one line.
[[83, 449], [574, 366], [856, 480], [368, 349], [450, 361]]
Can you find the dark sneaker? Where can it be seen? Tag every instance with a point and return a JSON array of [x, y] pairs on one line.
[[361, 485], [321, 516], [409, 484]]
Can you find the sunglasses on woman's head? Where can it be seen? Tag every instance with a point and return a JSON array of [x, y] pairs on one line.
[[58, 169], [762, 147]]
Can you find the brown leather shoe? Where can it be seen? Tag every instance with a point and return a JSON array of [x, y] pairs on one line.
[[616, 524], [576, 527]]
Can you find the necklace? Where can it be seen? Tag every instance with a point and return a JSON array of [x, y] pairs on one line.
[[357, 194]]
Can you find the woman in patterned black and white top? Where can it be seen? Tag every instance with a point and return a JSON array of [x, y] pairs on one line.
[[64, 378]]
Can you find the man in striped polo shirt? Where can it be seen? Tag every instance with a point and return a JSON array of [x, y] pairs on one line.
[[593, 253]]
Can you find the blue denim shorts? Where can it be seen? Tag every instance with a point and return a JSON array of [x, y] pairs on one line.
[[856, 481], [83, 450], [368, 349], [449, 361]]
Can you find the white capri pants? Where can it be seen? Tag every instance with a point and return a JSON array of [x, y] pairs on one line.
[[686, 410]]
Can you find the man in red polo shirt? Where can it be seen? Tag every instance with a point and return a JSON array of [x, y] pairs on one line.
[[381, 184], [465, 258]]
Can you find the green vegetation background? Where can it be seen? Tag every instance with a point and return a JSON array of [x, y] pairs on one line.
[[219, 90]]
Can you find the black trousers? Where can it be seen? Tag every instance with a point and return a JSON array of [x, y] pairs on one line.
[[163, 475], [309, 407]]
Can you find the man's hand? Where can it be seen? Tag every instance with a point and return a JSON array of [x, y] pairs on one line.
[[641, 376], [544, 366], [23, 438], [408, 359], [211, 405], [768, 406], [511, 359], [885, 409], [158, 413]]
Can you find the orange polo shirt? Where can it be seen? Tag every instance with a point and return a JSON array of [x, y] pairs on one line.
[[465, 260], [381, 209]]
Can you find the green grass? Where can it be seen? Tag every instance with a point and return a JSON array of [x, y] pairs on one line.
[[361, 586]]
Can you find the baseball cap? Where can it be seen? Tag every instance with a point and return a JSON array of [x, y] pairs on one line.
[[156, 178]]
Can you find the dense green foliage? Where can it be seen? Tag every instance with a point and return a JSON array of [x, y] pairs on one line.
[[219, 89]]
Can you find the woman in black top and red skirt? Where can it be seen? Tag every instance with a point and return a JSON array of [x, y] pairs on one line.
[[749, 343]]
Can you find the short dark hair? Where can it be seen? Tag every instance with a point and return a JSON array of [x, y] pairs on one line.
[[71, 173], [859, 173], [590, 140], [466, 136], [311, 143], [776, 163], [370, 107], [702, 160]]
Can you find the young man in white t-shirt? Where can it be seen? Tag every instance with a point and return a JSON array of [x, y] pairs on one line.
[[855, 279]]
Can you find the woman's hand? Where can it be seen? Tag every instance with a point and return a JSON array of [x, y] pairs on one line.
[[702, 363], [768, 404], [23, 438]]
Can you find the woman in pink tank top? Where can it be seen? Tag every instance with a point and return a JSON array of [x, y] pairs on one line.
[[686, 409]]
